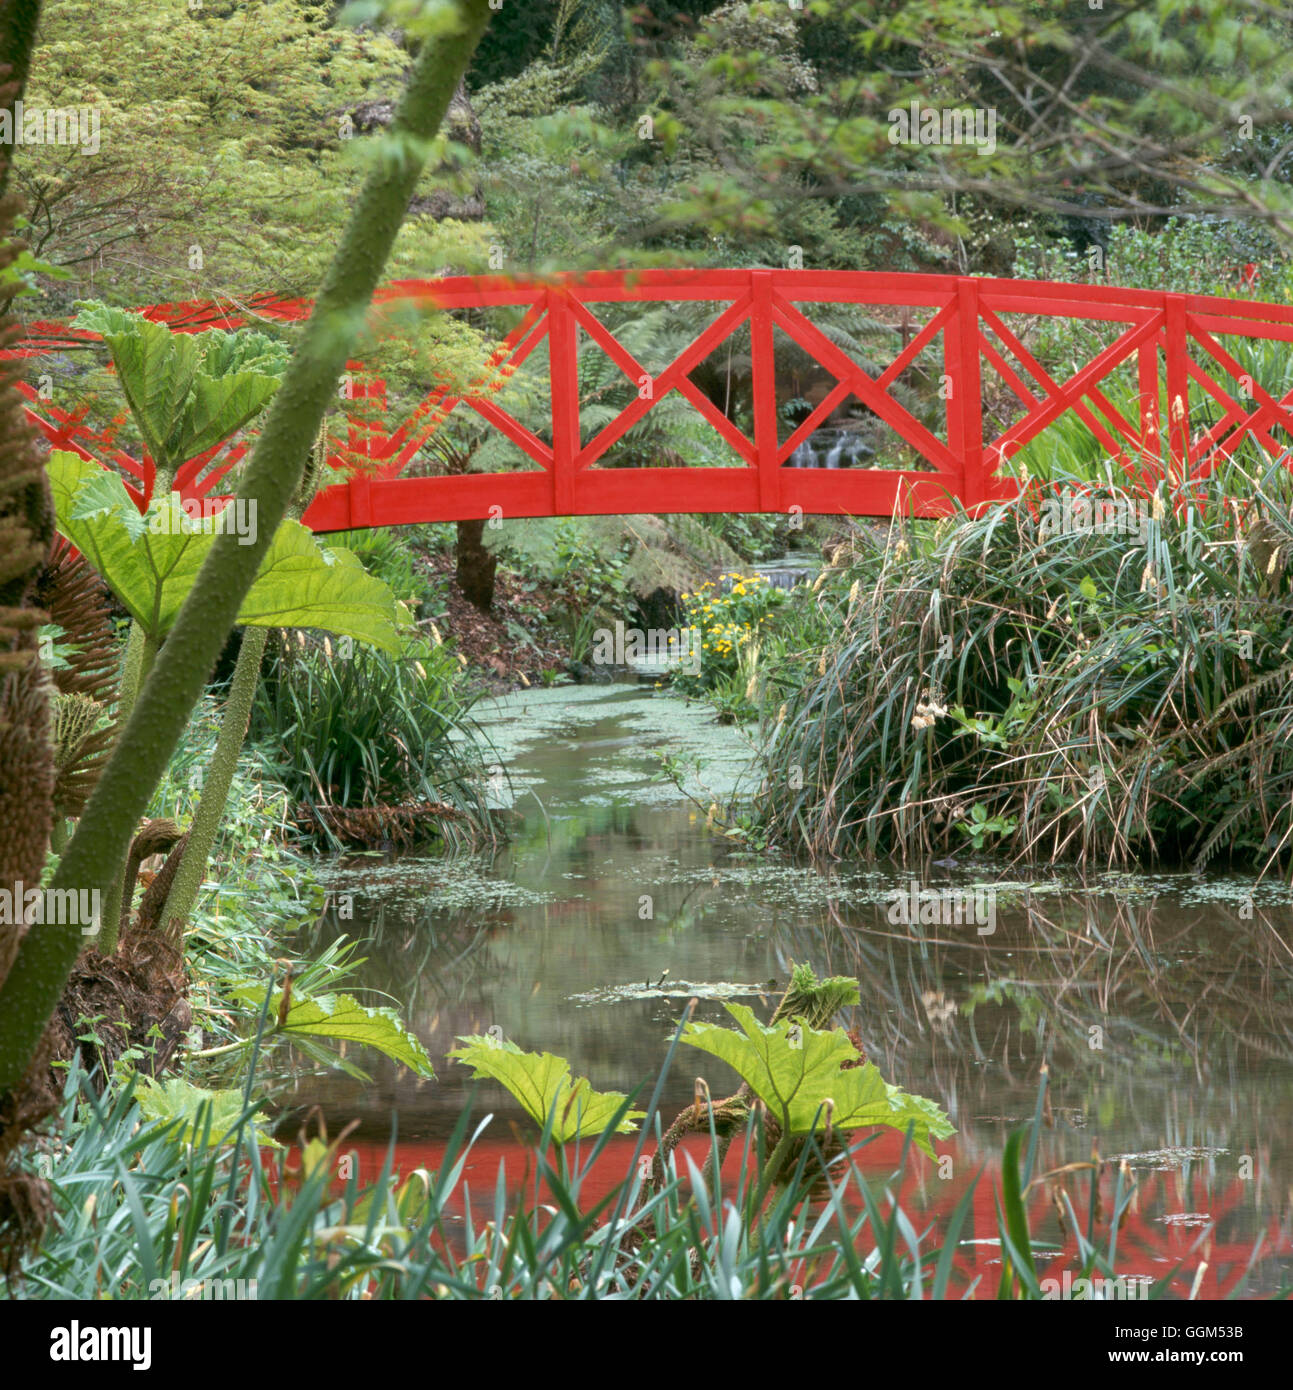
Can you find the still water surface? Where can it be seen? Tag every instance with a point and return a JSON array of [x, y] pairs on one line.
[[1162, 1004]]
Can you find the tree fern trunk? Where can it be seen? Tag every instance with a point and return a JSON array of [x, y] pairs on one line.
[[476, 565]]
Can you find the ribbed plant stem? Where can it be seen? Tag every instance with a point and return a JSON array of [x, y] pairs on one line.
[[32, 988], [183, 896], [132, 672], [234, 721], [772, 1168], [140, 653]]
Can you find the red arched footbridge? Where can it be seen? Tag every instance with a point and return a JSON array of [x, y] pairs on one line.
[[944, 372]]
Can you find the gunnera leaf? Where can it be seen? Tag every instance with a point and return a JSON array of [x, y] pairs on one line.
[[804, 1077], [544, 1086], [343, 1018], [177, 1100]]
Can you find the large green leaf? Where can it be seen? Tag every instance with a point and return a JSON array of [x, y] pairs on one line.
[[543, 1083], [243, 351], [303, 584], [186, 391], [155, 369], [220, 407], [795, 1069], [174, 1099], [151, 560], [342, 1018]]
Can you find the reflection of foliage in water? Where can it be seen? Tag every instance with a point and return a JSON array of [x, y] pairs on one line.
[[947, 1012], [426, 947]]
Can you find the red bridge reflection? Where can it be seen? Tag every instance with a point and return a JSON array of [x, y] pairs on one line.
[[1207, 1239]]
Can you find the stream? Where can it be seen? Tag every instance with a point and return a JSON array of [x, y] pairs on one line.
[[1162, 1003]]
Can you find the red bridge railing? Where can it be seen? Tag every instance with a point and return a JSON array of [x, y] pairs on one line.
[[1172, 340]]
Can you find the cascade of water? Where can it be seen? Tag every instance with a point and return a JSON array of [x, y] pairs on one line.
[[846, 449], [788, 578], [803, 456], [859, 450]]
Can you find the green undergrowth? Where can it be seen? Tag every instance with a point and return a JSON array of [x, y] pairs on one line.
[[1111, 685], [192, 1205], [260, 891], [357, 735]]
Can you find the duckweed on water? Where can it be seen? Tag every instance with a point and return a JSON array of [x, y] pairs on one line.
[[672, 989], [622, 759], [464, 882], [1169, 1159]]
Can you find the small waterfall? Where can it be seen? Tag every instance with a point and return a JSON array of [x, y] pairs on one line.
[[784, 573], [832, 446], [861, 450], [803, 456]]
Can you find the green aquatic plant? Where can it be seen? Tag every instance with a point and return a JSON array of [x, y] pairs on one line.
[[979, 825], [302, 1018], [364, 740], [809, 1079], [146, 1204], [812, 1079], [565, 1107], [200, 1116]]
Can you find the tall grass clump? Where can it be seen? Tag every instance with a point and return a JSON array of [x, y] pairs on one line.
[[373, 747], [1068, 449], [197, 1208], [1091, 671]]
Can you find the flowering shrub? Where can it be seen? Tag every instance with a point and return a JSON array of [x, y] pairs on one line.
[[730, 622]]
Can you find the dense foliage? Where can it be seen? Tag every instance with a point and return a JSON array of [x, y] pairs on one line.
[[1115, 692], [1113, 688]]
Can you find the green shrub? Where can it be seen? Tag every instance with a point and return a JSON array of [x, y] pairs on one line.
[[1099, 694], [589, 584], [349, 727], [731, 622], [1187, 256]]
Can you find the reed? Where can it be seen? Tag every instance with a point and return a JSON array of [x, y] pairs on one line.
[[1028, 682], [355, 731]]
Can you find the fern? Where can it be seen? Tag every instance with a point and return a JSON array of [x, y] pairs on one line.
[[673, 553]]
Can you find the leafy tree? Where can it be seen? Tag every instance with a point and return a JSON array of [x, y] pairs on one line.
[[226, 134], [1121, 111]]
